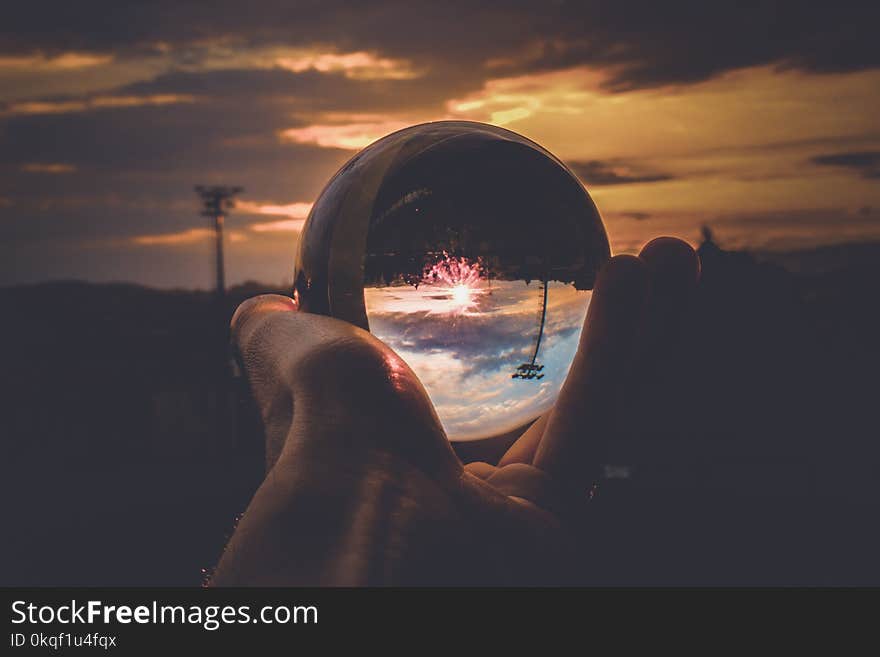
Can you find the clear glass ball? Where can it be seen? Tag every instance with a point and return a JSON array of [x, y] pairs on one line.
[[471, 251]]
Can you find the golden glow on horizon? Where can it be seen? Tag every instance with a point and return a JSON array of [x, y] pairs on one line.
[[569, 113]]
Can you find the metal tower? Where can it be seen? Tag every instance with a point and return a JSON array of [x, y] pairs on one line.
[[532, 369], [216, 201]]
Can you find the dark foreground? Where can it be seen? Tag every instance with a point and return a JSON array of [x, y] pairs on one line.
[[751, 457]]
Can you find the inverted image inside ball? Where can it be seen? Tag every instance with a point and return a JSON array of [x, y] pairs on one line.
[[472, 252]]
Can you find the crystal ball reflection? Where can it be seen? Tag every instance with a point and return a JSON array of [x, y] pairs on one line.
[[469, 250]]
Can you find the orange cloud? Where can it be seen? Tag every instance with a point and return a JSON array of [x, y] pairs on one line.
[[348, 136], [505, 100], [296, 213], [355, 65], [172, 239], [292, 210], [42, 167], [64, 62], [98, 102], [281, 226], [189, 236]]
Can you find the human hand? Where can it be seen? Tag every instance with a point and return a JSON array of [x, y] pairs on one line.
[[362, 486]]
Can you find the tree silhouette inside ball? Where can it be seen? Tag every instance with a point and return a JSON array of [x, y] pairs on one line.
[[472, 252]]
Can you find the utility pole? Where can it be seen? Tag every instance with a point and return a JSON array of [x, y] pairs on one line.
[[216, 201]]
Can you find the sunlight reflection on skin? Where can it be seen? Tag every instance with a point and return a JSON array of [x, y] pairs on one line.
[[464, 341]]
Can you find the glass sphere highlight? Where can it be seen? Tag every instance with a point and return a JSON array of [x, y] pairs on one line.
[[470, 251]]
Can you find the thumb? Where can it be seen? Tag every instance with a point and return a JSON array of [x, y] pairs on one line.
[[324, 384]]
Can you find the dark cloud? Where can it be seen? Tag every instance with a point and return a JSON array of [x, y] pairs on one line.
[[866, 163], [598, 172], [127, 149], [309, 90], [649, 43], [643, 42]]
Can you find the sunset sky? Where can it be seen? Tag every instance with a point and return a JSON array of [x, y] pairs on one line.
[[465, 350], [759, 119]]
